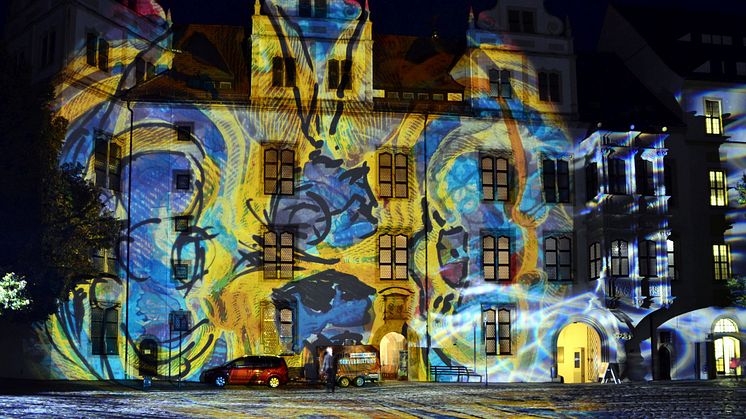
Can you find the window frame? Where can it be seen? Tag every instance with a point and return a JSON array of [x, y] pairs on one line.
[[499, 83], [718, 188], [617, 181], [556, 181], [711, 118], [500, 246], [281, 167], [490, 328], [721, 261], [558, 252], [398, 174], [393, 250], [178, 223], [647, 263], [280, 263], [595, 261], [550, 86], [622, 260], [503, 337], [104, 342], [496, 188], [645, 179], [671, 257]]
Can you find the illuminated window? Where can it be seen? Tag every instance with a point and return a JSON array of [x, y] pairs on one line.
[[496, 258], [619, 258], [556, 180], [393, 175], [279, 171], [105, 261], [591, 181], [503, 331], [283, 72], [647, 256], [721, 259], [335, 78], [278, 255], [48, 46], [107, 162], [104, 330], [182, 223], [549, 86], [500, 83], [393, 257], [490, 331], [718, 192], [713, 117], [617, 176], [287, 329], [557, 258], [594, 258], [495, 178], [671, 254], [521, 21], [644, 172]]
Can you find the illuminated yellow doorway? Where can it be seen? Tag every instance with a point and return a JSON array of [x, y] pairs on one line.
[[393, 353], [579, 354], [727, 349]]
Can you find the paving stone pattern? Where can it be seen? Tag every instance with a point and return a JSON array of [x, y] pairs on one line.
[[703, 399]]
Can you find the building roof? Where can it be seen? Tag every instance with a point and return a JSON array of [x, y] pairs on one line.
[[701, 45], [415, 64], [609, 93], [210, 65]]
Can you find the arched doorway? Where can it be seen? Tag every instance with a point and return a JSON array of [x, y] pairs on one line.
[[726, 348], [394, 360], [579, 354], [664, 363]]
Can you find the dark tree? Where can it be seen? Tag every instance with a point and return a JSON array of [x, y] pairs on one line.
[[51, 218]]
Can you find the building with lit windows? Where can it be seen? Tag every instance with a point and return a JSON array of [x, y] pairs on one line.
[[310, 183]]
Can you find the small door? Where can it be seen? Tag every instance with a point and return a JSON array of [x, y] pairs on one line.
[[148, 358], [579, 365], [664, 363]]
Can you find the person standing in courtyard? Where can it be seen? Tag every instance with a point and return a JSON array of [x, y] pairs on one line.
[[329, 370]]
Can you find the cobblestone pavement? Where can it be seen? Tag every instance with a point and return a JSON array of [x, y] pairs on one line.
[[703, 399]]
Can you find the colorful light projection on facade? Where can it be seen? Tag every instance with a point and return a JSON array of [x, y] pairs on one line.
[[229, 200]]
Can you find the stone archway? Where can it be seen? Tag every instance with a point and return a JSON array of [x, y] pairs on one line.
[[579, 353], [392, 346]]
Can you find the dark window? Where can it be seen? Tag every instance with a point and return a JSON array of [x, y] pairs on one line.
[[48, 45], [556, 180], [557, 258], [549, 87], [104, 331], [283, 72], [183, 181], [183, 132], [521, 21], [91, 48], [393, 256], [339, 74], [279, 257], [619, 258], [500, 83], [107, 162], [496, 258], [103, 54], [304, 8], [279, 171], [333, 74], [182, 223], [594, 258], [287, 329], [648, 257], [181, 271], [319, 8], [591, 181], [668, 177], [503, 330], [490, 331], [645, 182], [140, 69], [495, 178], [617, 176]]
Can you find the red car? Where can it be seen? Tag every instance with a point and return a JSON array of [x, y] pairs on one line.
[[269, 370]]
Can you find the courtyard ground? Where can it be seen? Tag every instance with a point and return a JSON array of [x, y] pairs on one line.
[[700, 399]]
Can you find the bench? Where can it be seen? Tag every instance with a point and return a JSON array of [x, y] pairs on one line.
[[457, 371]]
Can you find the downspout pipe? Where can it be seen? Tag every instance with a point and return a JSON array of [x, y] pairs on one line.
[[129, 241], [427, 244]]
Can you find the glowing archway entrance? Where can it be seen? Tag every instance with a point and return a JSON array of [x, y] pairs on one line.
[[579, 354], [726, 348], [393, 355]]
